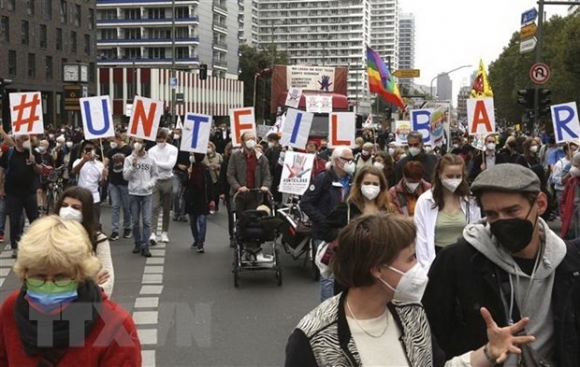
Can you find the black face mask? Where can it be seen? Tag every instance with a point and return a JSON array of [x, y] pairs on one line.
[[514, 234]]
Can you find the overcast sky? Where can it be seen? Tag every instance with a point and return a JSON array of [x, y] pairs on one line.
[[452, 33]]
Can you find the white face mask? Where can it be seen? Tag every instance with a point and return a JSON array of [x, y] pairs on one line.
[[26, 144], [455, 146], [192, 158], [69, 144], [67, 212], [402, 156], [41, 150], [451, 184], [271, 144], [113, 145], [250, 144], [349, 168], [370, 191], [428, 149], [176, 136], [391, 151], [534, 149], [414, 151], [365, 153], [490, 146], [411, 286], [379, 165], [575, 171], [412, 186], [138, 147], [161, 144]]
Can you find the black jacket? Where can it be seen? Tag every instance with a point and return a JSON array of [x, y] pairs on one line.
[[462, 280], [478, 160], [429, 162]]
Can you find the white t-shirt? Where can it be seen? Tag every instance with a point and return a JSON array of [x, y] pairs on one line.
[[90, 176]]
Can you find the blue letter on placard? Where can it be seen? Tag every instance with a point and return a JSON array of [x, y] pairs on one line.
[[421, 122], [197, 121], [296, 128], [89, 117], [561, 122]]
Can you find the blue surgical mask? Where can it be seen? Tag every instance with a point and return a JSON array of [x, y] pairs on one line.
[[49, 296]]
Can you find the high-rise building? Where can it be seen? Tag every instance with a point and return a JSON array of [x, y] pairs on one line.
[[248, 22], [462, 102], [385, 31], [170, 33], [444, 87], [406, 44], [38, 38], [573, 8], [323, 33]]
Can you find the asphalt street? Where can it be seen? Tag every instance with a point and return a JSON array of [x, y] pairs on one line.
[[186, 307]]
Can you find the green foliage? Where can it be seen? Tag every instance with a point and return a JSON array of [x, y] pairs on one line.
[[561, 51], [252, 61]]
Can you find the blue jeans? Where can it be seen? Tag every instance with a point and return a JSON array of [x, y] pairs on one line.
[[326, 284], [178, 202], [141, 209], [198, 224], [120, 198]]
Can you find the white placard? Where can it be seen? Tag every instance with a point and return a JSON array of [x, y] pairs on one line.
[[196, 131], [341, 129], [402, 130], [293, 97], [241, 120], [145, 117], [97, 116], [26, 113], [480, 116], [319, 78], [319, 104], [296, 129], [566, 123], [296, 173]]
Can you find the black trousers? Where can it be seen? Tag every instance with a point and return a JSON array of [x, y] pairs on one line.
[[14, 205]]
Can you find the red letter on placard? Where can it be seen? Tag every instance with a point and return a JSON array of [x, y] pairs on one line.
[[146, 119], [239, 126], [480, 117], [334, 138]]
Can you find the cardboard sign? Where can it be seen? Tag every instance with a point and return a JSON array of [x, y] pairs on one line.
[[293, 97], [145, 117], [296, 129], [195, 133], [341, 129], [480, 116], [242, 120], [319, 104], [566, 122], [26, 113], [296, 173], [97, 117], [402, 130], [421, 122]]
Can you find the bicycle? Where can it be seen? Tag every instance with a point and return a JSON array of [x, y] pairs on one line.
[[55, 188]]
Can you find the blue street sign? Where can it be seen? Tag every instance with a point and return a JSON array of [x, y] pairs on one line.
[[529, 16], [173, 82]]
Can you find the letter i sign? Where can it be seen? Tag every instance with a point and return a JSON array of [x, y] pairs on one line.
[[26, 113]]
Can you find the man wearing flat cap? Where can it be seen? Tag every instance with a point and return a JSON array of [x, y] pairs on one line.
[[514, 265]]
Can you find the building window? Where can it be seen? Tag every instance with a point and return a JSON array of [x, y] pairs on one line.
[[63, 8], [73, 41], [105, 89], [12, 63], [132, 14], [11, 5], [156, 53], [77, 15], [108, 34], [25, 39], [5, 28], [182, 12], [47, 9], [48, 67], [59, 39], [87, 44], [156, 13], [43, 36], [133, 34], [92, 68], [91, 18], [30, 7], [181, 52], [31, 65]]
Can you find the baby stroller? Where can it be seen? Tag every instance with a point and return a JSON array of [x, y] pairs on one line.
[[252, 229], [296, 234]]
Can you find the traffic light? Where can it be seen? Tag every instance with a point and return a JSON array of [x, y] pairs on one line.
[[544, 102], [526, 98], [202, 71]]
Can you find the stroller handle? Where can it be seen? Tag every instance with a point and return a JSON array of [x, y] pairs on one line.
[[269, 193]]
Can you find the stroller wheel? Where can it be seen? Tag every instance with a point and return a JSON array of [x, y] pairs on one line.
[[278, 267]]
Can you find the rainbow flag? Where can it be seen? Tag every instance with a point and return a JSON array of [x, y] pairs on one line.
[[381, 81]]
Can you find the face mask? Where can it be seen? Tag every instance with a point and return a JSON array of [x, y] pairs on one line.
[[138, 147], [365, 153], [113, 145], [26, 144], [49, 296], [51, 136], [161, 144], [412, 186], [370, 191], [250, 144], [90, 153], [534, 149], [411, 286], [62, 130], [428, 149], [402, 156], [349, 168], [513, 234], [455, 146], [192, 158], [67, 212], [490, 146], [282, 156], [414, 151], [391, 151], [575, 171], [270, 145], [210, 151], [451, 184], [176, 136], [41, 150], [379, 165], [69, 144]]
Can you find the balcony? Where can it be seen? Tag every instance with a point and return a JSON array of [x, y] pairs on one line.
[[123, 42], [147, 22], [101, 4], [156, 62], [220, 64], [220, 45], [220, 27], [220, 7]]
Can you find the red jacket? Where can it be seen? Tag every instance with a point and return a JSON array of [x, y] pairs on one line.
[[123, 348], [567, 204]]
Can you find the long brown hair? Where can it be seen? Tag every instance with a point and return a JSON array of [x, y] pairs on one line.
[[383, 200], [86, 198], [437, 187]]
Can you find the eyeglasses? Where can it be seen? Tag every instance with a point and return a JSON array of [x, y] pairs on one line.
[[347, 160], [59, 281]]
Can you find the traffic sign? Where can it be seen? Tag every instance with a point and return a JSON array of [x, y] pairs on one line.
[[407, 73], [528, 45], [540, 73], [528, 31], [529, 16], [173, 83]]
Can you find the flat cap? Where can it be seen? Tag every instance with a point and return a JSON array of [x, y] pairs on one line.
[[507, 177]]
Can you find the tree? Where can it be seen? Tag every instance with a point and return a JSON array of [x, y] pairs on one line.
[[252, 61]]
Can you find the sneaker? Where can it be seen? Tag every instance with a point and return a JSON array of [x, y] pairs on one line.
[[127, 233], [114, 236], [1, 238], [183, 219], [153, 239], [200, 249], [211, 207], [194, 246], [145, 252], [14, 253], [136, 249], [164, 237]]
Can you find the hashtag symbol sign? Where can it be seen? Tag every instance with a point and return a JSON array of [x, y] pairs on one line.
[[24, 111]]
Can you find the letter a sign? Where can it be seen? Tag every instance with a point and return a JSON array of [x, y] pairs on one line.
[[97, 117], [145, 118], [480, 116]]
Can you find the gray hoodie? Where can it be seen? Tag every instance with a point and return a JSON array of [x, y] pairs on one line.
[[141, 176], [538, 306]]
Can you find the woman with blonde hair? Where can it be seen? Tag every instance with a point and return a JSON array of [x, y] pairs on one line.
[[443, 211], [369, 194], [60, 316]]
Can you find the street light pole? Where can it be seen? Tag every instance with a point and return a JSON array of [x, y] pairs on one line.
[[173, 73], [539, 41], [442, 74]]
